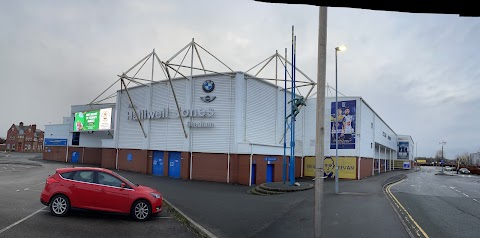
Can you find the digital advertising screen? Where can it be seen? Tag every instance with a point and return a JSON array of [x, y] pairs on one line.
[[94, 120]]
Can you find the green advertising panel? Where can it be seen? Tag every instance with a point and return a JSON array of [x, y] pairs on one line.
[[93, 120]]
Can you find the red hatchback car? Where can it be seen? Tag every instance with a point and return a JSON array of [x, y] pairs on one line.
[[99, 189]]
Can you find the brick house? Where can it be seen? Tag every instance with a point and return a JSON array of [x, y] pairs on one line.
[[23, 138]]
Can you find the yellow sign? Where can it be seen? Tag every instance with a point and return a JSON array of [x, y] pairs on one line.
[[398, 164], [347, 167], [309, 166], [329, 167], [422, 161]]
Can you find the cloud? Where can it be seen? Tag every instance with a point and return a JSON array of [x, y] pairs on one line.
[[418, 71]]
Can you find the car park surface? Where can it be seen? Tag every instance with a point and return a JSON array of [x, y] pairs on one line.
[[22, 214]]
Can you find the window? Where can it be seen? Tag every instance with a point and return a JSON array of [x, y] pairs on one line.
[[13, 146], [76, 138], [67, 175], [8, 146], [83, 176], [371, 125], [107, 179]]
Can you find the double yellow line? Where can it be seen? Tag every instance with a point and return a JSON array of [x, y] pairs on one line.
[[400, 206]]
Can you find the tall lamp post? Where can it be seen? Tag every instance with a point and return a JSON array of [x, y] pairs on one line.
[[337, 49], [441, 162]]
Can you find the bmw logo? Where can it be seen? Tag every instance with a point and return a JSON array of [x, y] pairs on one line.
[[208, 86]]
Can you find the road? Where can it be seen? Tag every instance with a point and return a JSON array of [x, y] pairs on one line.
[[443, 206], [22, 179]]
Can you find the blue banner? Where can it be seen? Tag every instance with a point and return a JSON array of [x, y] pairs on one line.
[[55, 142], [345, 126], [270, 159]]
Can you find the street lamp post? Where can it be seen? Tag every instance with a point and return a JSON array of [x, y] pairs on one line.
[[337, 49], [441, 162]]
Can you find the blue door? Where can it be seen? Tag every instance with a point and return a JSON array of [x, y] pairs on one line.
[[270, 173], [157, 167], [75, 156], [254, 170], [174, 164]]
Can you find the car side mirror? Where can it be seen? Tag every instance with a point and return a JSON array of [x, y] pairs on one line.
[[123, 185]]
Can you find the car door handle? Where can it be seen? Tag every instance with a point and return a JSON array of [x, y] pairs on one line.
[[100, 189]]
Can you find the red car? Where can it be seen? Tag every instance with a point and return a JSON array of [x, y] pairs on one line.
[[99, 189]]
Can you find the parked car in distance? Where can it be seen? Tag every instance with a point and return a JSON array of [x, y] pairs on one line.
[[99, 189], [464, 171], [448, 168]]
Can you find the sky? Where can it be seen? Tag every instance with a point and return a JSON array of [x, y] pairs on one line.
[[419, 72]]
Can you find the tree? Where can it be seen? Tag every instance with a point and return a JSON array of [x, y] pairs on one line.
[[463, 159]]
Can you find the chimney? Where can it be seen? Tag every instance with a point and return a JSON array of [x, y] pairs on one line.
[[21, 124], [34, 127]]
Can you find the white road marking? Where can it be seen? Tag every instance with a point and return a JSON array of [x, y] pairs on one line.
[[18, 190], [25, 189], [465, 195], [21, 220]]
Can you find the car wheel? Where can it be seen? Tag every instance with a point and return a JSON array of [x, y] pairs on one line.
[[60, 205], [141, 210]]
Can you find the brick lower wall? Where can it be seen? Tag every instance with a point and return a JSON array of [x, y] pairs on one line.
[[138, 162], [365, 167], [92, 156], [55, 153], [210, 167], [108, 158]]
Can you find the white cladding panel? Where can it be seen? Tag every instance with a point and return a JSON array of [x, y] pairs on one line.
[[166, 131], [130, 134], [158, 127], [384, 135], [367, 131], [93, 140], [175, 135], [281, 120], [310, 124], [57, 131], [221, 136], [299, 131], [260, 112]]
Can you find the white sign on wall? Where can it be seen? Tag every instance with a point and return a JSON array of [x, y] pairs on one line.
[[170, 113]]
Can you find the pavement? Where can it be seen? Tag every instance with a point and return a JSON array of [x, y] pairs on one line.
[[361, 209]]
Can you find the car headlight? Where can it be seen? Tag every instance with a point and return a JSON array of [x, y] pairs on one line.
[[155, 195]]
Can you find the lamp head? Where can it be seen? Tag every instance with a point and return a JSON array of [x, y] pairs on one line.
[[341, 48]]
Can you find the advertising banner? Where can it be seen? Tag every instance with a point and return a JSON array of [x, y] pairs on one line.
[[309, 166], [347, 167], [93, 120], [343, 124], [403, 150]]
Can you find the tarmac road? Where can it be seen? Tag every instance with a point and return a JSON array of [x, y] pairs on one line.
[[443, 206]]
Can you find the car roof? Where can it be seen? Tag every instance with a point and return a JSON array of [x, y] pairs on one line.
[[63, 170]]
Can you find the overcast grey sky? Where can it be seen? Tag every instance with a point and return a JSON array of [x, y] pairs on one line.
[[420, 72]]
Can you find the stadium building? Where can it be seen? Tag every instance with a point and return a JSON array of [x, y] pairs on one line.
[[224, 127]]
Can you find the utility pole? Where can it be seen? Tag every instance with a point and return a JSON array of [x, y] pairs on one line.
[[320, 118]]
